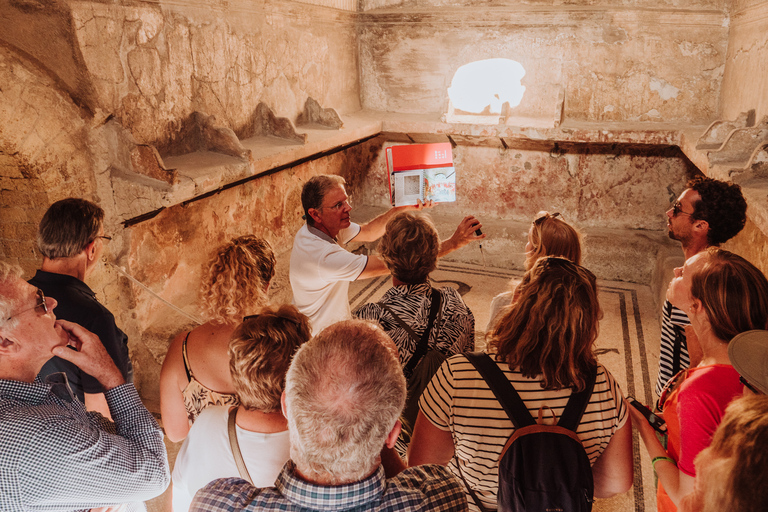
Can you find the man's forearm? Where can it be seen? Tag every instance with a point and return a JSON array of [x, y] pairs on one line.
[[375, 228]]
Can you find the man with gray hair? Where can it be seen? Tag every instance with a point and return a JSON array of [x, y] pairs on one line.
[[343, 396], [71, 239], [53, 454]]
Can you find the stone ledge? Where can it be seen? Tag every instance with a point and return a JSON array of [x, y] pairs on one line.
[[203, 173]]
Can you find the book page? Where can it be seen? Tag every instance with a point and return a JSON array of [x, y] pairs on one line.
[[440, 184], [409, 187]]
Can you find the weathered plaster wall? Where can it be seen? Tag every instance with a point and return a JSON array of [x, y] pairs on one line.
[[592, 187], [152, 64], [44, 154], [744, 85], [629, 62]]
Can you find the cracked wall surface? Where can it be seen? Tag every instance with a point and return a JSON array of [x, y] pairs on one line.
[[593, 187], [744, 84], [152, 65], [612, 63]]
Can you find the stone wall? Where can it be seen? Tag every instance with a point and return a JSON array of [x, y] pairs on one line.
[[610, 62], [593, 187], [747, 61], [152, 64]]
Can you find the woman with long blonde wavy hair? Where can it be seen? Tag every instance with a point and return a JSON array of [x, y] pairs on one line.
[[195, 372]]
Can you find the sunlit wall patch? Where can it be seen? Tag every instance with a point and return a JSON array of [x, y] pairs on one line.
[[480, 89]]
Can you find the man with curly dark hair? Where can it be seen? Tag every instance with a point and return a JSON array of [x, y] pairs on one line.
[[708, 213]]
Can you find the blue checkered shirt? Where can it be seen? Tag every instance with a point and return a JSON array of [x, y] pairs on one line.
[[421, 488], [54, 455]]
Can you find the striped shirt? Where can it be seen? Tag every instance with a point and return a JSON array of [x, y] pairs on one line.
[[673, 322], [458, 400]]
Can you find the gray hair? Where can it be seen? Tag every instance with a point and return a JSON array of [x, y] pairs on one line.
[[314, 190], [9, 275], [344, 392], [68, 227]]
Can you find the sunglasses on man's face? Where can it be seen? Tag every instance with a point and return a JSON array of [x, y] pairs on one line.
[[677, 209]]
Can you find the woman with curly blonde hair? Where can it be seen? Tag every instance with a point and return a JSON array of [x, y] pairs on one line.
[[195, 372]]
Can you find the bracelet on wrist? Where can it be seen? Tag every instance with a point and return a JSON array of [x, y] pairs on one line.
[[658, 459]]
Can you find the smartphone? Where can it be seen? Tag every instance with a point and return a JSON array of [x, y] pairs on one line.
[[657, 422], [478, 232]]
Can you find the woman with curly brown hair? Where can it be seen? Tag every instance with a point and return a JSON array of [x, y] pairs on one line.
[[544, 345], [195, 372]]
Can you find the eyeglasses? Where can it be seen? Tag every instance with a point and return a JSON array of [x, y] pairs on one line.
[[104, 237], [41, 303], [677, 208], [547, 262], [749, 386], [338, 206]]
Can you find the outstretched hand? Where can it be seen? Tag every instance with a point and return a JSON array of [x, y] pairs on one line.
[[86, 351], [420, 205], [464, 234]]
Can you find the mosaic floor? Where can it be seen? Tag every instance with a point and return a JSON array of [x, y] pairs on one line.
[[628, 345]]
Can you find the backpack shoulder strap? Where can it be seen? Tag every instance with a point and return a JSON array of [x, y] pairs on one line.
[[577, 404], [504, 391]]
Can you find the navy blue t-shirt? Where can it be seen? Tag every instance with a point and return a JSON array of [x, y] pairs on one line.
[[77, 303]]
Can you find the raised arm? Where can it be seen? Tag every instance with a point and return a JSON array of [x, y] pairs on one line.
[[374, 229], [104, 469], [465, 233]]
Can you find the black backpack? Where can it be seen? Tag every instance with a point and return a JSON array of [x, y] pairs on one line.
[[543, 468]]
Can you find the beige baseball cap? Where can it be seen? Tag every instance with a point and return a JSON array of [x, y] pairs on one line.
[[748, 353]]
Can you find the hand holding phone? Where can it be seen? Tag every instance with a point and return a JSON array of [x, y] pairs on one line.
[[657, 422]]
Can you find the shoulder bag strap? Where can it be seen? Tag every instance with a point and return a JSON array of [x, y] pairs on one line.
[[472, 492], [235, 446], [186, 358], [577, 404], [506, 395], [422, 344]]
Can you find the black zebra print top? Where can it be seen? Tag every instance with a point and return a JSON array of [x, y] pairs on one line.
[[454, 334]]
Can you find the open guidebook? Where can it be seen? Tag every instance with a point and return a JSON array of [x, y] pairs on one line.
[[421, 171]]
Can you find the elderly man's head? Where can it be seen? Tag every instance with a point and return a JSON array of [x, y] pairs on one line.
[[344, 393], [28, 330]]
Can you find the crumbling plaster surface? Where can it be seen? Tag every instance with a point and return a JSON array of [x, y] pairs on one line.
[[368, 5], [153, 64], [627, 63], [744, 85], [44, 153]]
